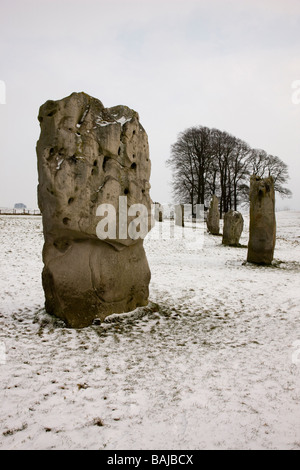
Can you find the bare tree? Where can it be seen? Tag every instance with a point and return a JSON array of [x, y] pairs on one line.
[[264, 165], [258, 162], [240, 171], [279, 170], [191, 160], [184, 171], [209, 161], [223, 145]]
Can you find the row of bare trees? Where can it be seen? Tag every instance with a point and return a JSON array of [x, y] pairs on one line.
[[209, 161]]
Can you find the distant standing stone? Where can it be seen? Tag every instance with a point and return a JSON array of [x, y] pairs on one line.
[[158, 212], [179, 215], [262, 221], [213, 217], [233, 227]]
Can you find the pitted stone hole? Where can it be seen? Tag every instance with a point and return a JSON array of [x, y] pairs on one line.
[[70, 200], [95, 163], [52, 113], [73, 159], [138, 228], [126, 191], [66, 221], [133, 132], [61, 245], [143, 191], [133, 156], [119, 151], [105, 160], [133, 166]]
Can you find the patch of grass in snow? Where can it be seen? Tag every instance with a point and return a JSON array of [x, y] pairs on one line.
[[46, 321], [11, 432], [98, 422], [276, 264]]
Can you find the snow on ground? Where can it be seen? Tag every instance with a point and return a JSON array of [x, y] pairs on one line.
[[211, 363]]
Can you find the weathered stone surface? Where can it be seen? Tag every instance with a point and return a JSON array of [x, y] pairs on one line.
[[90, 155], [213, 216], [232, 228], [262, 221]]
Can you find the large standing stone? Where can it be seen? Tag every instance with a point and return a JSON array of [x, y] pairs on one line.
[[89, 155], [213, 216], [233, 227], [262, 221]]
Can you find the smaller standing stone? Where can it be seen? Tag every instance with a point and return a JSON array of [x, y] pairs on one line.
[[213, 217], [233, 227], [262, 221], [179, 215], [158, 212]]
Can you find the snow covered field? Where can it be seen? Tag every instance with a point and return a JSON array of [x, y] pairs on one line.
[[212, 363]]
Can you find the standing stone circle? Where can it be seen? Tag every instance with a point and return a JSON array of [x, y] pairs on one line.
[[262, 221], [233, 228], [213, 216], [89, 155]]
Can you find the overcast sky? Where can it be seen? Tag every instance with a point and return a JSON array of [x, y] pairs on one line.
[[218, 63]]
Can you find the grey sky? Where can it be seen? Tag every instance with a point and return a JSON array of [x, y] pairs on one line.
[[218, 63]]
